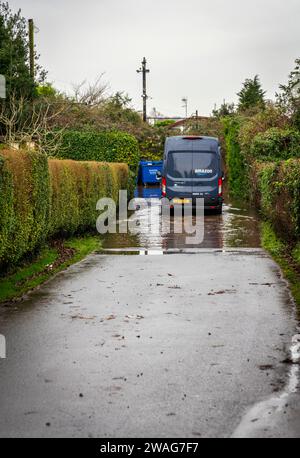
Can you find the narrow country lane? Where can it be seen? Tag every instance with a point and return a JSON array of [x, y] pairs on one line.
[[165, 345]]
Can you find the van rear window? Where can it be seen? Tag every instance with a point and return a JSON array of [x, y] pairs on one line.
[[191, 164]]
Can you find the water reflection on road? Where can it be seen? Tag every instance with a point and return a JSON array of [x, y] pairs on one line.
[[237, 227]]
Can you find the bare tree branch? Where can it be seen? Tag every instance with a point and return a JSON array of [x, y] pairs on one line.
[[91, 94], [30, 123]]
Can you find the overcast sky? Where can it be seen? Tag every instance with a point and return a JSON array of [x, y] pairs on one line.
[[202, 49]]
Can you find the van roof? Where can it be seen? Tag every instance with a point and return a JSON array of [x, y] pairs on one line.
[[183, 142]]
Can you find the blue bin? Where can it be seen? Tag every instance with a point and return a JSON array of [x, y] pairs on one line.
[[147, 172], [148, 193]]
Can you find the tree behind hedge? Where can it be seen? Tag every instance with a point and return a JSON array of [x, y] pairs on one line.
[[14, 54], [251, 95], [289, 97]]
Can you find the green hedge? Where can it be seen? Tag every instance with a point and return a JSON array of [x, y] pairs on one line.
[[100, 146], [264, 165], [236, 165], [242, 150], [275, 144], [75, 189], [277, 187], [24, 203], [41, 198]]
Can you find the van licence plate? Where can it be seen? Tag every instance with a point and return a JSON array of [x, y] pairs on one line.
[[181, 201]]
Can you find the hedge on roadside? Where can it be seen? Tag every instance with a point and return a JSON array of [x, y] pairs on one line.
[[24, 203], [75, 189], [276, 143], [236, 165], [41, 198], [277, 190], [100, 146], [242, 150]]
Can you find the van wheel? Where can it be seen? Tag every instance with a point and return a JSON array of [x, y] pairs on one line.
[[219, 210]]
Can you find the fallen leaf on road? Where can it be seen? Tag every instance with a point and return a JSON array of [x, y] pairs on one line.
[[134, 317], [265, 367], [118, 336], [110, 317], [262, 284], [226, 291], [81, 317]]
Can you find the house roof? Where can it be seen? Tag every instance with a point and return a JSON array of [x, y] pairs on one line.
[[182, 122]]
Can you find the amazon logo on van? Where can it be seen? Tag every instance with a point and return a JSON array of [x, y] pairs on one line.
[[204, 171]]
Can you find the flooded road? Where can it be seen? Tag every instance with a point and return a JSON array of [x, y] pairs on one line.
[[238, 226], [193, 344]]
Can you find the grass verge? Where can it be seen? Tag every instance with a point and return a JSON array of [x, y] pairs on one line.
[[288, 259], [50, 260]]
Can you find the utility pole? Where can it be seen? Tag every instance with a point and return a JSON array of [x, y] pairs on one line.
[[185, 104], [31, 46], [2, 87], [144, 70]]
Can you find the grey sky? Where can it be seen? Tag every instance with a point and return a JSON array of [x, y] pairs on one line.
[[202, 49]]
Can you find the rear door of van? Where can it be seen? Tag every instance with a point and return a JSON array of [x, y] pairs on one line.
[[179, 174], [205, 174]]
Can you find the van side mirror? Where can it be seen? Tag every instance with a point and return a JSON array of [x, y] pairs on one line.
[[158, 175]]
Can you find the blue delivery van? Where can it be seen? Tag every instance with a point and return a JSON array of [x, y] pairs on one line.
[[193, 168]]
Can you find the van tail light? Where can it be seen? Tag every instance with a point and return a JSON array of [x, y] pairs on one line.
[[164, 187], [220, 187]]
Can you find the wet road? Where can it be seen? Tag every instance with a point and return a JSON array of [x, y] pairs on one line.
[[183, 344], [236, 227]]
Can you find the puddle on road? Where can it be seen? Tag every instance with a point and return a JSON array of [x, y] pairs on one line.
[[237, 227]]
